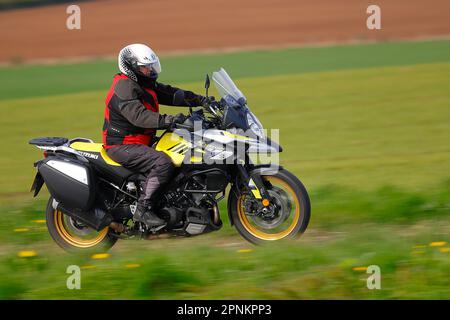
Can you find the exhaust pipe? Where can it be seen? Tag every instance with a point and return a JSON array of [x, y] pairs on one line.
[[95, 218]]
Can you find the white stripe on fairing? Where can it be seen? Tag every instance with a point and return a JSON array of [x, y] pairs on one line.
[[74, 171]]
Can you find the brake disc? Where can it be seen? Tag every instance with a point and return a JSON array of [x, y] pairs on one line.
[[278, 211]]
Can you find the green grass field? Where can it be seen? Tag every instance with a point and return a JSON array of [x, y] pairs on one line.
[[365, 127]]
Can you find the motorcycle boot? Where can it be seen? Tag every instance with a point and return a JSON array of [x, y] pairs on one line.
[[144, 213]]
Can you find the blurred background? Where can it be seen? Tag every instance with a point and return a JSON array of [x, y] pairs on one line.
[[363, 118]]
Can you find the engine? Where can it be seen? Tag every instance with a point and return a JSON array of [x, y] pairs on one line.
[[191, 204]]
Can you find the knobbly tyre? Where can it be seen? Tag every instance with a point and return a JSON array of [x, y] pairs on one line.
[[93, 198]]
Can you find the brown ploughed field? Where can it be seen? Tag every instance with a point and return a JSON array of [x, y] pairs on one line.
[[197, 25]]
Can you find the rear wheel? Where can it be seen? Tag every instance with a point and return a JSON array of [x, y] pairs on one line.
[[72, 235], [286, 217]]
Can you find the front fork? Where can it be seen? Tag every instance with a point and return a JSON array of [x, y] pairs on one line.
[[255, 184]]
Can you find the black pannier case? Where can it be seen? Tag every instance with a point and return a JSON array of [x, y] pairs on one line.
[[69, 181]]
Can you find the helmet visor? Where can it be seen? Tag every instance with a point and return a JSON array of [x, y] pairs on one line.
[[149, 69]]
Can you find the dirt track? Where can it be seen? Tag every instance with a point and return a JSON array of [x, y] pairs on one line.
[[171, 25]]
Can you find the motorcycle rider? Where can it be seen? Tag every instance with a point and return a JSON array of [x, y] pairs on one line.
[[132, 118]]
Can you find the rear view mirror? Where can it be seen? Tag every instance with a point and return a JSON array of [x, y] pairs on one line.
[[207, 84]]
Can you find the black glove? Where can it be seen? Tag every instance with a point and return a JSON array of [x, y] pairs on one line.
[[179, 118], [167, 120]]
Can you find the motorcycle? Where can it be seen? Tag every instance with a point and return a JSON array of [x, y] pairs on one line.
[[93, 198]]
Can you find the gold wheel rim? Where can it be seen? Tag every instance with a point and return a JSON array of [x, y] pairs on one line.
[[75, 241], [264, 235]]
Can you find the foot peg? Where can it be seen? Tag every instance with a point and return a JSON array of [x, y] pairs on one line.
[[118, 227]]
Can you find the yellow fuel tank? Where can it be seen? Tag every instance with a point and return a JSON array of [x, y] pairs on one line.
[[174, 146]]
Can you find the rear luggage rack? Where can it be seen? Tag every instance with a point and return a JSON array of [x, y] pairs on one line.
[[49, 141], [59, 144]]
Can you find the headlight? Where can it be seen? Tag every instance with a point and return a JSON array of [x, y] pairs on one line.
[[255, 125]]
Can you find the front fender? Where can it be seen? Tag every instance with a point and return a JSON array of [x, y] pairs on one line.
[[265, 170]]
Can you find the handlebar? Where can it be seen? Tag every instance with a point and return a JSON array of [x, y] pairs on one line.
[[212, 108], [181, 126]]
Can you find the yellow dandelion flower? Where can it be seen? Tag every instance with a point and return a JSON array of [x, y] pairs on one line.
[[100, 256], [447, 249], [21, 230], [359, 268], [244, 250], [27, 254], [438, 244], [39, 221], [132, 265]]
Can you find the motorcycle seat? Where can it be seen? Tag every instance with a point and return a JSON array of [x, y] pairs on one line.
[[97, 155], [97, 149]]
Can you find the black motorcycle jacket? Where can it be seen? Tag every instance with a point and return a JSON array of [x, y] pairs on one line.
[[132, 110]]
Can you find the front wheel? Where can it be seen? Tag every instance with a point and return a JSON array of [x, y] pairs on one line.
[[74, 236], [286, 216]]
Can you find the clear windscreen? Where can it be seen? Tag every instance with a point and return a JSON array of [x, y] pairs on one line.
[[226, 87], [242, 117]]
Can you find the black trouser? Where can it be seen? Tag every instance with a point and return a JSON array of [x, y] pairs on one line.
[[141, 158]]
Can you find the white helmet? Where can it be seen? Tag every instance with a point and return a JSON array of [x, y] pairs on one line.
[[138, 60]]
